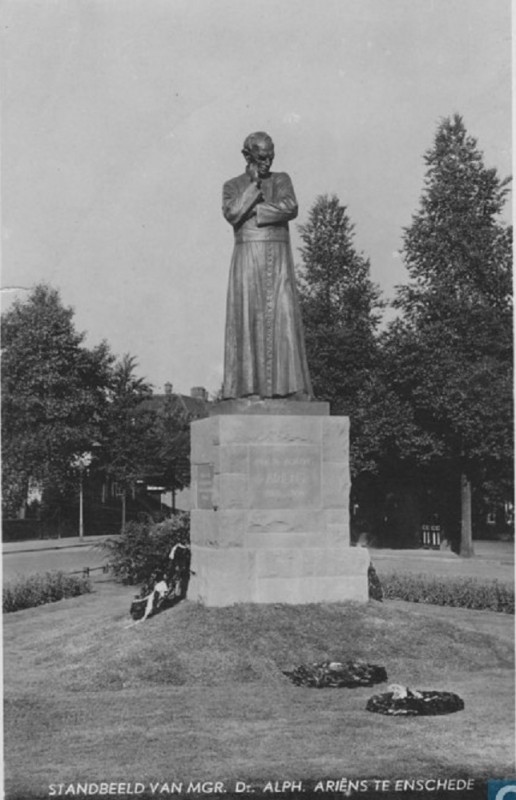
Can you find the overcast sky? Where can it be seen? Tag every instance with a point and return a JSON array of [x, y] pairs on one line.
[[122, 119]]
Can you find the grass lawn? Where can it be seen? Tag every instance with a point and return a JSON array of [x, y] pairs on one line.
[[198, 694]]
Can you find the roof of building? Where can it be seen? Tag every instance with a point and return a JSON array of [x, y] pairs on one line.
[[197, 406]]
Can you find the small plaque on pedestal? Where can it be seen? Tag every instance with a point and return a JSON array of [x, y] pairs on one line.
[[204, 485]]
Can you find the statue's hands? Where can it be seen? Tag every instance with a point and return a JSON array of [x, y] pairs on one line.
[[253, 174], [252, 211]]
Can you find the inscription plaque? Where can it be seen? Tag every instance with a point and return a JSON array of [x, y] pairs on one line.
[[284, 476], [205, 486]]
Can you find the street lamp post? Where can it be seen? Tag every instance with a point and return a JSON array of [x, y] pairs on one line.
[[81, 505], [81, 463]]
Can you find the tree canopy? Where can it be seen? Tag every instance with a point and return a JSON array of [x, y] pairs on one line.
[[172, 452], [341, 306], [430, 397], [53, 394], [456, 337], [126, 436], [67, 408], [450, 355]]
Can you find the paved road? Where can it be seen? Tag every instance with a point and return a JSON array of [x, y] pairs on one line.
[[492, 559], [68, 559]]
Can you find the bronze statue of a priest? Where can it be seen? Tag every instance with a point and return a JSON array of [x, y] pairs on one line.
[[264, 353]]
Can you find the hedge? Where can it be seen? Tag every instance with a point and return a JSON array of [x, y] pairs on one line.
[[456, 592], [36, 590]]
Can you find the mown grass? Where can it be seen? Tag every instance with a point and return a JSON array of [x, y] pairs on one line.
[[199, 693]]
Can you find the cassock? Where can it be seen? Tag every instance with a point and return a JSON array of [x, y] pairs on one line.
[[264, 351]]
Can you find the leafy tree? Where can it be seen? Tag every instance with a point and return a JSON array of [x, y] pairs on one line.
[[391, 455], [341, 306], [128, 434], [171, 459], [53, 395], [451, 356]]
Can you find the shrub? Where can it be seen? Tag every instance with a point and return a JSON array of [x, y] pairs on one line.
[[36, 590], [458, 592], [133, 556]]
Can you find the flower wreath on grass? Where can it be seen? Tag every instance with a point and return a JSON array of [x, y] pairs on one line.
[[337, 674], [402, 701], [167, 584]]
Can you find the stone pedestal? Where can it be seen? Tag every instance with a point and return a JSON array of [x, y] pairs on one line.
[[270, 499]]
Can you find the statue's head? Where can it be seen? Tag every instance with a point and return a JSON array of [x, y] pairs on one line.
[[259, 149]]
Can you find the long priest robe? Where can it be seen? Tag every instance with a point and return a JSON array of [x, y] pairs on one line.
[[264, 351]]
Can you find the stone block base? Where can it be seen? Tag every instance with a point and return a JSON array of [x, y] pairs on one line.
[[270, 521], [246, 575]]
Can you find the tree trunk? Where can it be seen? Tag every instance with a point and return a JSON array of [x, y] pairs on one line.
[[466, 536], [123, 512]]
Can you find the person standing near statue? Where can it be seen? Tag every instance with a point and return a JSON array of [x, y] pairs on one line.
[[264, 352]]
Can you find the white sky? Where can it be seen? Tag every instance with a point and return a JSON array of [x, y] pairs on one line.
[[122, 119]]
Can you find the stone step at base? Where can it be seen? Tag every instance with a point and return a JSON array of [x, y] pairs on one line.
[[224, 576]]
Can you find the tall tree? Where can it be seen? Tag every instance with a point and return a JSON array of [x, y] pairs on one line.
[[53, 395], [453, 350], [341, 305], [392, 455], [128, 430], [172, 452]]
